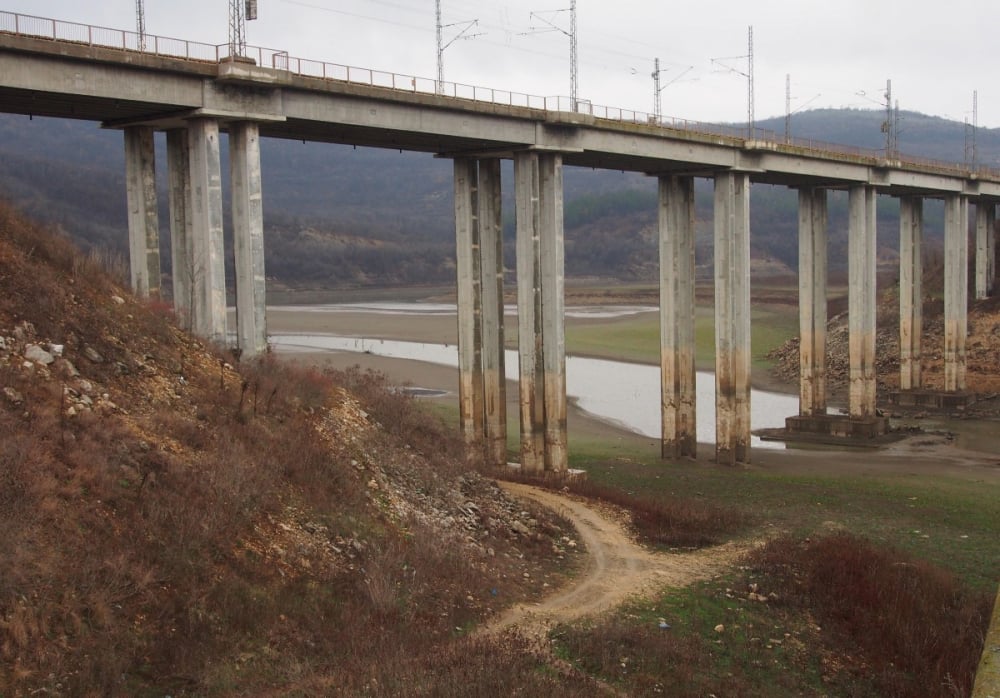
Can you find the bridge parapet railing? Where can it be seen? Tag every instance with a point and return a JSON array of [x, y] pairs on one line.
[[58, 30]]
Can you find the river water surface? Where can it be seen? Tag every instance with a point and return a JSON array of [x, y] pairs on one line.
[[626, 394]]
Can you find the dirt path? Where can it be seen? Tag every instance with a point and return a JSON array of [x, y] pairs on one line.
[[617, 567]]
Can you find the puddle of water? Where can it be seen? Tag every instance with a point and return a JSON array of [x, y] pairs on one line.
[[615, 391]]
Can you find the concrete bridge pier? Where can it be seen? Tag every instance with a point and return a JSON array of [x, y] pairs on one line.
[[248, 237], [143, 221], [956, 257], [677, 368], [986, 218], [492, 317], [541, 305], [469, 300], [911, 216], [732, 318], [179, 196], [208, 273], [479, 256], [861, 304], [812, 301]]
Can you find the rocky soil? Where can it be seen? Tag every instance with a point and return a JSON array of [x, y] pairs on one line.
[[982, 354]]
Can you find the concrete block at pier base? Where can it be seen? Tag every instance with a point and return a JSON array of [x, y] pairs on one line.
[[932, 399], [839, 425], [560, 475]]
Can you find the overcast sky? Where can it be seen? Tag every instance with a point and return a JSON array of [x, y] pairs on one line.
[[839, 53]]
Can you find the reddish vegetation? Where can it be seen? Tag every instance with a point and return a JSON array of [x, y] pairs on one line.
[[904, 625]]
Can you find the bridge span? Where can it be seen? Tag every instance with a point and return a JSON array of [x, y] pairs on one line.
[[195, 91]]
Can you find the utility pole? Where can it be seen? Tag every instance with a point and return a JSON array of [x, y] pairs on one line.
[[888, 125], [788, 106], [140, 23], [573, 62], [441, 46], [750, 100], [748, 75], [658, 89], [239, 12]]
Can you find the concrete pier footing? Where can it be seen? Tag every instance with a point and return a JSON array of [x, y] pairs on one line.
[[677, 367], [732, 318], [248, 237], [143, 216]]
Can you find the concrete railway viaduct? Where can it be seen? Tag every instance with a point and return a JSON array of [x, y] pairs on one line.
[[193, 92]]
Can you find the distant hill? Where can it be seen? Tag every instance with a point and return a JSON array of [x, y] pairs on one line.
[[66, 172]]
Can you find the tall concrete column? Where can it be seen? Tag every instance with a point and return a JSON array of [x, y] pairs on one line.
[[732, 318], [986, 217], [677, 373], [491, 255], [143, 220], [956, 283], [181, 253], [469, 299], [911, 218], [208, 298], [540, 302], [861, 300], [551, 247], [248, 237], [531, 384], [812, 300]]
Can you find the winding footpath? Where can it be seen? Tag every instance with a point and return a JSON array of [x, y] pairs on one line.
[[617, 567]]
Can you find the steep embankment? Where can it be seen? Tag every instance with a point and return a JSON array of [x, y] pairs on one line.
[[169, 519]]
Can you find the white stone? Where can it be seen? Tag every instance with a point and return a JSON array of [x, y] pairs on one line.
[[35, 353]]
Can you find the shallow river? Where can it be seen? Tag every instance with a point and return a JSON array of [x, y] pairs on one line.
[[623, 393]]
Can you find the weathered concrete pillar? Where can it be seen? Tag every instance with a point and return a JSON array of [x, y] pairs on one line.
[[732, 318], [208, 298], [911, 221], [181, 253], [550, 198], [531, 384], [541, 336], [986, 218], [469, 299], [143, 220], [491, 256], [248, 237], [861, 301], [677, 372], [812, 301], [956, 283]]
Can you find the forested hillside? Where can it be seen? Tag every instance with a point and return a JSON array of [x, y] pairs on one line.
[[340, 216]]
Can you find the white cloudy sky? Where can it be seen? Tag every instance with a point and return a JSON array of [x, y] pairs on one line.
[[839, 53]]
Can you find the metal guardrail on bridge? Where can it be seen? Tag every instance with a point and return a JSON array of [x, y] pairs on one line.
[[104, 37]]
